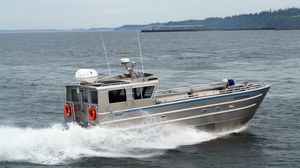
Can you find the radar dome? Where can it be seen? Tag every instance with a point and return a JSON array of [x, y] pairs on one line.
[[86, 75]]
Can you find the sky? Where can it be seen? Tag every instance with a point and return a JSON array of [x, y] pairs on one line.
[[72, 14]]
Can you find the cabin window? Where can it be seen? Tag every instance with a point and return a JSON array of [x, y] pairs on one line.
[[147, 91], [137, 93], [74, 95], [143, 92], [94, 96], [84, 95], [116, 96]]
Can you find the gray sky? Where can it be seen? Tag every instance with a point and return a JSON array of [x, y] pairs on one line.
[[68, 14]]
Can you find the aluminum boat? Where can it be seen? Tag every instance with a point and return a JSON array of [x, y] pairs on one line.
[[131, 99]]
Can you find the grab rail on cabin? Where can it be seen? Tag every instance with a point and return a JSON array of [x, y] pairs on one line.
[[99, 83], [112, 84], [93, 105], [72, 109]]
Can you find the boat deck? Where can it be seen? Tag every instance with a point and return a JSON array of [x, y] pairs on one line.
[[200, 91]]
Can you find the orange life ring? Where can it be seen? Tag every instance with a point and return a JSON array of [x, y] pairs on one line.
[[67, 110], [92, 113]]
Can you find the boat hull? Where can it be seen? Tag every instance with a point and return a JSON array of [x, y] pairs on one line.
[[215, 113]]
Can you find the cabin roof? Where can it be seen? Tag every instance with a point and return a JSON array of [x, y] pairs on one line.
[[118, 80]]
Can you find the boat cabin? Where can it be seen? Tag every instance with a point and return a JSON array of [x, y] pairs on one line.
[[129, 90]]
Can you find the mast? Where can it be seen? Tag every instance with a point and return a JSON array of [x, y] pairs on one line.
[[103, 45], [141, 55]]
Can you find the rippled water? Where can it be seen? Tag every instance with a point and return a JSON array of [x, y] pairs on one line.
[[35, 67]]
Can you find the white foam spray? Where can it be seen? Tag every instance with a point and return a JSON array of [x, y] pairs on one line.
[[56, 145]]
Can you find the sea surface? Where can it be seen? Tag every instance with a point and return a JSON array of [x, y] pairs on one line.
[[34, 67]]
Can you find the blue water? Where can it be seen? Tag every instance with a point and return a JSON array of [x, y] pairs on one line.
[[34, 67]]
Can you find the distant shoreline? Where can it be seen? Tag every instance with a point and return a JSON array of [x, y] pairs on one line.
[[228, 29], [143, 31], [204, 29], [282, 19]]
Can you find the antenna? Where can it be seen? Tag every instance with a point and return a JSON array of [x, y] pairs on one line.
[[103, 45], [138, 38]]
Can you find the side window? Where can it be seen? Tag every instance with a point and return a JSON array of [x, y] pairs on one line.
[[94, 96], [147, 91], [137, 93], [74, 95], [84, 95], [116, 96], [143, 92]]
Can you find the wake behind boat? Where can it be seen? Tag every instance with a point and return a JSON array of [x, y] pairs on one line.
[[132, 99]]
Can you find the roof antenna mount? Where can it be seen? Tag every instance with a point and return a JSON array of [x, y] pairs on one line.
[[129, 66]]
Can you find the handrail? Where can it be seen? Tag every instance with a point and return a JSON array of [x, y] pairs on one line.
[[98, 83], [93, 105], [112, 84], [195, 87], [192, 86], [223, 91], [72, 109]]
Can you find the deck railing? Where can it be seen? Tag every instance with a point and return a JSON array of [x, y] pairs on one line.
[[190, 88], [188, 92]]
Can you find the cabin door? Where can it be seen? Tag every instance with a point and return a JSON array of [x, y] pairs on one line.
[[84, 104], [76, 101]]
